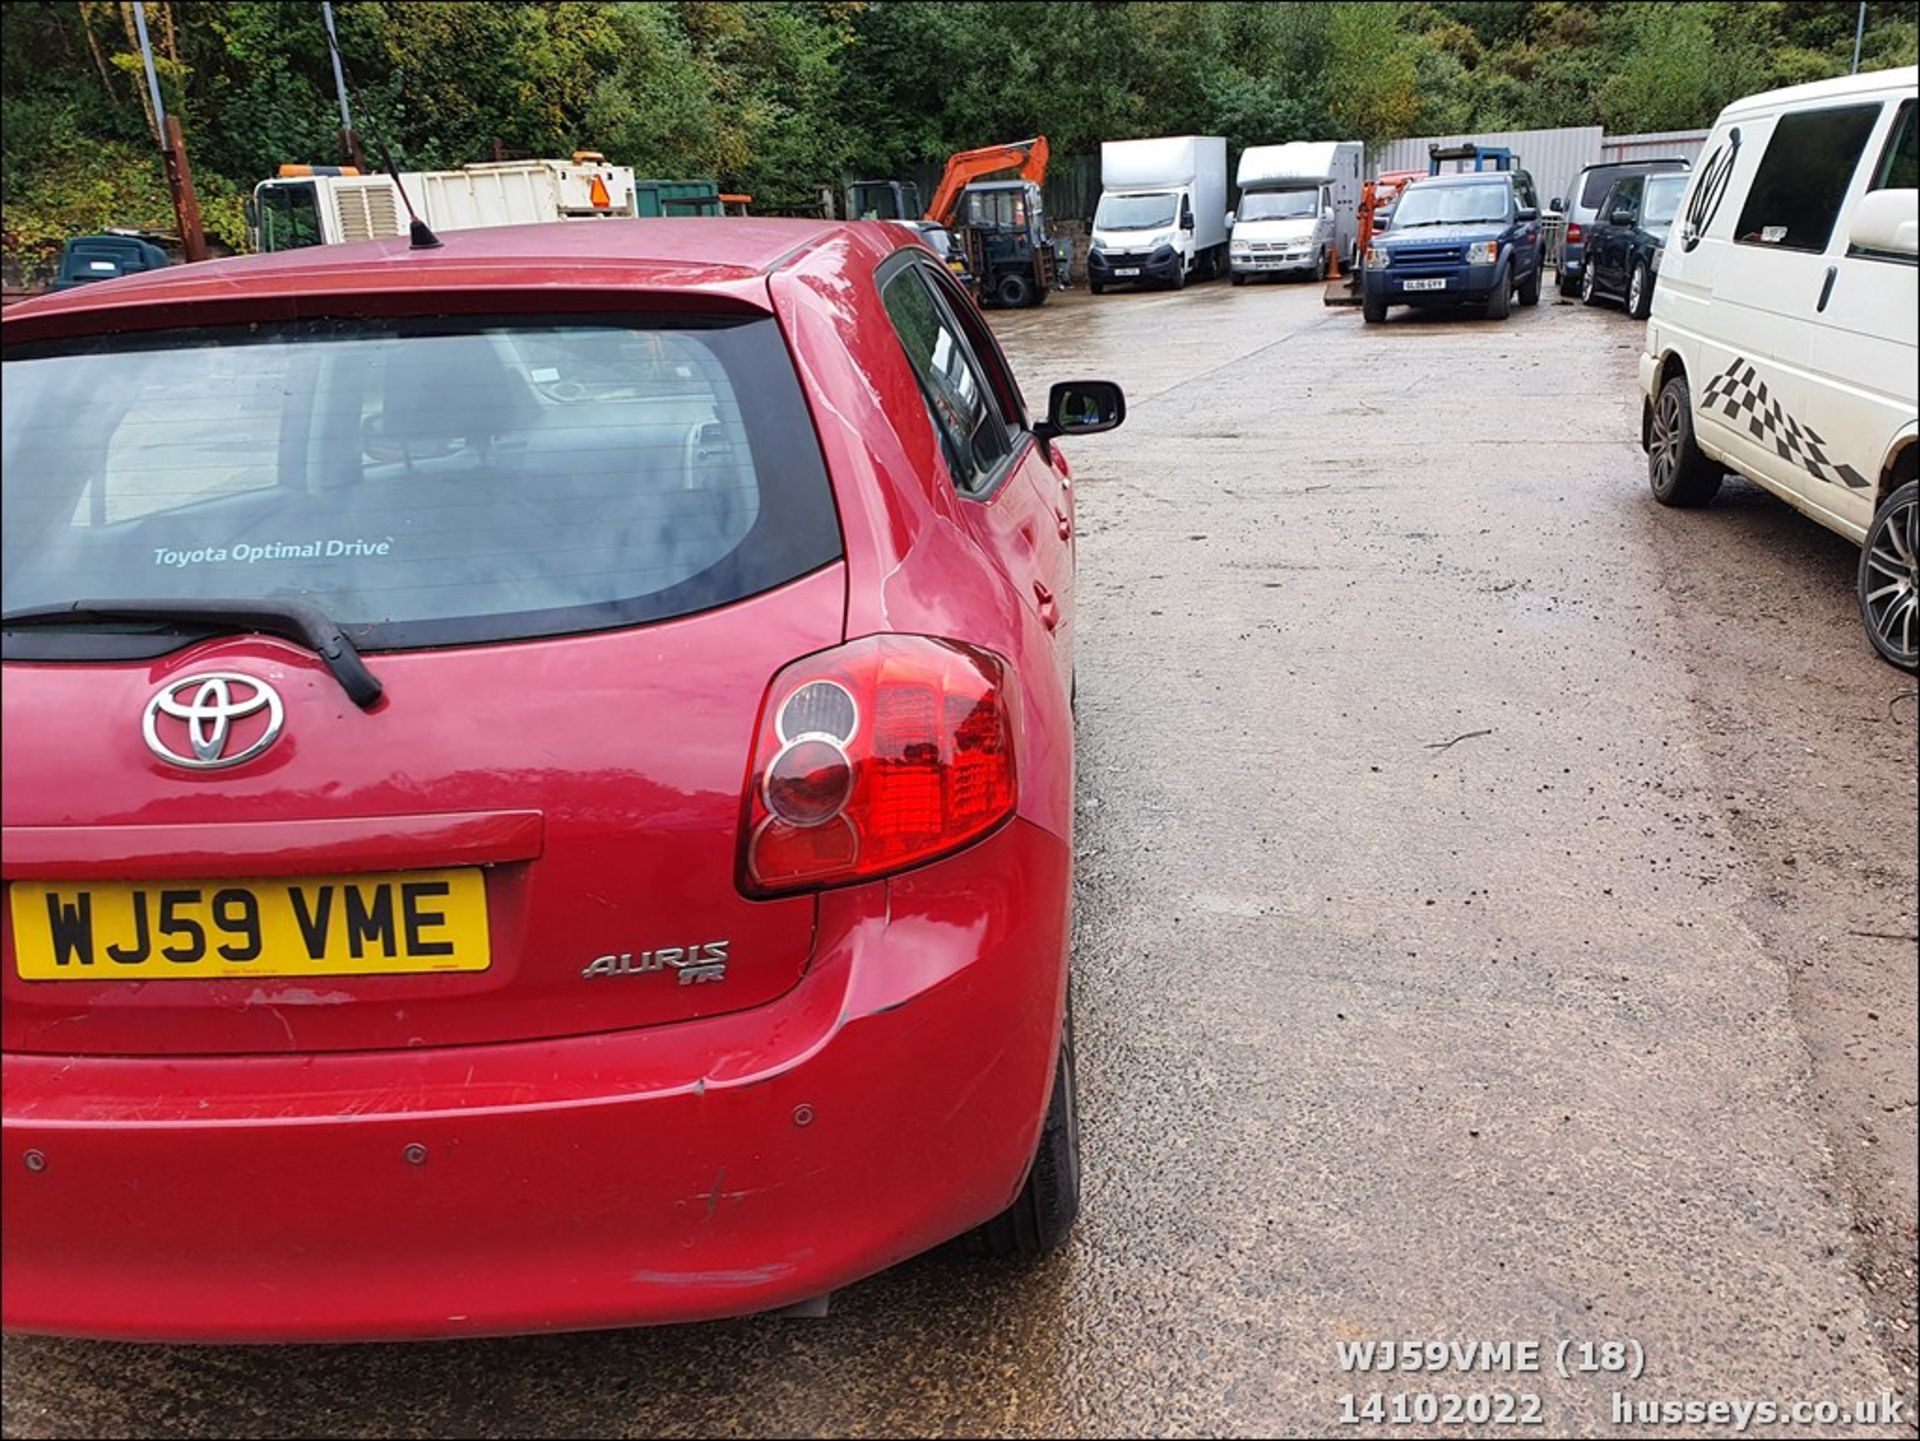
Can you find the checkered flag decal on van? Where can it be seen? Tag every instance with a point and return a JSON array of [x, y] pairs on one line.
[[1743, 399]]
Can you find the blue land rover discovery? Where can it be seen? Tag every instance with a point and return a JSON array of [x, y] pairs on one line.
[[1470, 239]]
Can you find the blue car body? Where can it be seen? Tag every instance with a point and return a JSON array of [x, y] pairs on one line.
[[1423, 262]]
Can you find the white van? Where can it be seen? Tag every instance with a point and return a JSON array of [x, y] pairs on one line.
[[1299, 204], [1782, 342]]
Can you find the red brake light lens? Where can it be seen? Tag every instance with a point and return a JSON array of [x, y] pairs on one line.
[[1573, 232], [877, 756]]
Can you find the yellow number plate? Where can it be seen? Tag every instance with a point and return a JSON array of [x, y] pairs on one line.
[[375, 925]]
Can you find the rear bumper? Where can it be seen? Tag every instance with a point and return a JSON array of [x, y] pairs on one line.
[[889, 1102]]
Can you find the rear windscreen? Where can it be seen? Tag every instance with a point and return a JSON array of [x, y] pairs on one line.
[[422, 482]]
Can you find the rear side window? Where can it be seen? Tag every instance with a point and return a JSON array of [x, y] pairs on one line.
[[1797, 189], [422, 482], [1595, 183], [956, 392]]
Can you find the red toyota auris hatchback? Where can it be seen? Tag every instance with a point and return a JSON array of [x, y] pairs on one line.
[[538, 784]]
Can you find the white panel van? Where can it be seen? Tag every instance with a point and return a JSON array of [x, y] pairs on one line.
[[1782, 342]]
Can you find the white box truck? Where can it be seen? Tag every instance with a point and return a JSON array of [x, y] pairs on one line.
[[1297, 202], [1162, 217], [324, 205]]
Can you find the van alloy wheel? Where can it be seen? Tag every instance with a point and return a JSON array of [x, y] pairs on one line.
[[1890, 578], [1680, 474]]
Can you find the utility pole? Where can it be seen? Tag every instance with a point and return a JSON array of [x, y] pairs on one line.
[[173, 153], [350, 140], [1859, 34]]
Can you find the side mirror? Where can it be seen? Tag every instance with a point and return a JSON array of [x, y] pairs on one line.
[[1186, 221], [1081, 407], [1622, 215], [1557, 204], [1887, 221], [1529, 212], [1232, 215]]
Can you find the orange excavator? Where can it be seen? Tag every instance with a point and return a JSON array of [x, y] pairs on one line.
[[1028, 157], [1000, 225]]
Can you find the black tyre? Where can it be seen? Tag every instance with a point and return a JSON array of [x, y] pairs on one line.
[[1014, 289], [1098, 287], [1179, 281], [1239, 278], [1530, 288], [1500, 301], [1889, 578], [1680, 473], [1372, 309], [1320, 267], [1589, 294], [1041, 1216], [1569, 287], [1639, 292]]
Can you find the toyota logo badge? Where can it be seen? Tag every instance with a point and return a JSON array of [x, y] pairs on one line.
[[190, 722]]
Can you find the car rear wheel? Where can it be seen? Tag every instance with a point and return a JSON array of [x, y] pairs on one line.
[[1041, 1216], [1889, 578], [1588, 294], [1679, 472], [1639, 293]]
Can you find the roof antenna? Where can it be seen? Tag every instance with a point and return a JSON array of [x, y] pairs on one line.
[[421, 237]]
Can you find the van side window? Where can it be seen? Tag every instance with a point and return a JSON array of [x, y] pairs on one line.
[[1899, 167], [1796, 192], [958, 400]]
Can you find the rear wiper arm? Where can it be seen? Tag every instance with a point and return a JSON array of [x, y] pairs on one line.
[[289, 619]]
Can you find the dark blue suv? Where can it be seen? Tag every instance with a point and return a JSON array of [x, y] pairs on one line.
[[1458, 239]]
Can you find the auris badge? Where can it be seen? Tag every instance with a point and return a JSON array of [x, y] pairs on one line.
[[210, 721], [705, 961]]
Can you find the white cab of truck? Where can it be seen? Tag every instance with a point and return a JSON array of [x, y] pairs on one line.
[[1783, 340], [1162, 217], [1299, 204], [323, 205]]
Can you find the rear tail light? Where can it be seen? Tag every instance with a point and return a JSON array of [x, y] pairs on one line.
[[874, 757], [1573, 233]]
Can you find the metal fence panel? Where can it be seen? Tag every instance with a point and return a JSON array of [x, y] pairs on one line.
[[1656, 145], [1551, 157]]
